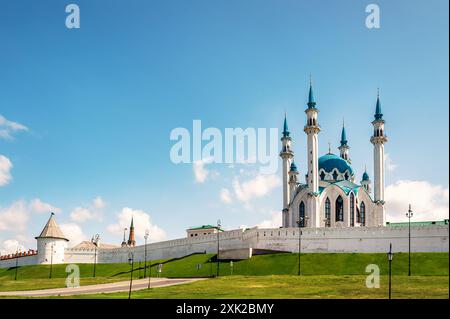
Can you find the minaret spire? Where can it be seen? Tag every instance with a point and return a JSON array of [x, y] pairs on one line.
[[287, 156], [344, 148], [378, 140], [131, 240], [312, 129]]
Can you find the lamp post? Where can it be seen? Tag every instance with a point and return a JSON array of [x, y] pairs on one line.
[[150, 274], [299, 224], [51, 262], [130, 261], [409, 214], [95, 241], [390, 255], [218, 232], [147, 233], [17, 263]]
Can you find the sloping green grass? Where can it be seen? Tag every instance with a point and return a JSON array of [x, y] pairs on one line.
[[423, 264], [290, 287]]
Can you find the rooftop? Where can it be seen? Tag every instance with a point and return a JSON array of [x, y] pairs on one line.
[[423, 223]]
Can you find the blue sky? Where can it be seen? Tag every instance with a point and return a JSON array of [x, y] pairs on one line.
[[99, 104]]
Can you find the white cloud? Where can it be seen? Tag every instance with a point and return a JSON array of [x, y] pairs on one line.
[[15, 217], [259, 186], [273, 222], [93, 211], [429, 202], [74, 233], [390, 166], [7, 128], [142, 221], [5, 170], [11, 246], [200, 172], [225, 196], [38, 206]]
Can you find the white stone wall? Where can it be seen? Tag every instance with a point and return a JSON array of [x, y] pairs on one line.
[[433, 238], [45, 255]]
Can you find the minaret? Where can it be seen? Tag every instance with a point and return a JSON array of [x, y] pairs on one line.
[[378, 139], [343, 148], [312, 129], [131, 241], [365, 182], [286, 155], [293, 173]]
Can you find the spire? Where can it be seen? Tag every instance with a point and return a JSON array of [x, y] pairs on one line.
[[343, 135], [51, 229], [378, 114], [285, 127], [132, 223], [293, 167], [365, 176], [311, 100], [131, 240]]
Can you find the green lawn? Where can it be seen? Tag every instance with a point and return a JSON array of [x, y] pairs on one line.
[[317, 265], [289, 286]]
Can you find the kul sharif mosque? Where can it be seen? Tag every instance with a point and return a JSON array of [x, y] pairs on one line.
[[330, 195]]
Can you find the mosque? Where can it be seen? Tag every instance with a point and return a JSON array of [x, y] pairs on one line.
[[330, 196]]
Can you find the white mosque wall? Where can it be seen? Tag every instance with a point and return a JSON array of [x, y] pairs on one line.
[[314, 240]]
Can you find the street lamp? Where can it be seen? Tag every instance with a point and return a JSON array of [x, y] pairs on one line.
[[299, 224], [218, 232], [409, 214], [147, 233], [130, 261], [51, 262], [17, 263], [390, 255], [95, 241]]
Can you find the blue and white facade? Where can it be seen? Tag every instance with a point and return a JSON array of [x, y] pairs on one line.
[[330, 195]]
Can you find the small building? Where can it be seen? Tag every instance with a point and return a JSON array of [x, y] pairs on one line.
[[202, 230]]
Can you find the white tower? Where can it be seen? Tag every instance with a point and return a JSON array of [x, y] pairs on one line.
[[378, 139], [365, 182], [312, 129], [293, 179], [286, 155], [51, 244]]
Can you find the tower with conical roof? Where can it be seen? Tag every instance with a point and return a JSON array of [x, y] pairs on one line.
[[378, 139], [287, 156], [51, 243], [131, 240], [312, 129], [365, 181], [343, 147]]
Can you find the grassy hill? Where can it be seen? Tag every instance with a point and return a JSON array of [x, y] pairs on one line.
[[423, 264]]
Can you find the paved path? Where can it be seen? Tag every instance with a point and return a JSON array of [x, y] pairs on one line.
[[95, 289]]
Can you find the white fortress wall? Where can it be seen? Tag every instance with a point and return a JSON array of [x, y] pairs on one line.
[[433, 238]]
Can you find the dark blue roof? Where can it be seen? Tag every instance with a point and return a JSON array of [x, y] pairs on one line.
[[285, 127], [343, 136], [378, 114], [293, 167], [365, 176], [330, 161], [311, 100]]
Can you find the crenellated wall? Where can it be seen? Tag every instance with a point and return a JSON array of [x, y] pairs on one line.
[[433, 238]]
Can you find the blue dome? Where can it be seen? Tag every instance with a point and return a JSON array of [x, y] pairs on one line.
[[365, 176], [330, 161], [293, 167]]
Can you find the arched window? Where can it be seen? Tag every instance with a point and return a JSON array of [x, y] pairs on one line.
[[322, 175], [352, 209], [363, 214], [302, 214], [346, 175], [335, 175], [327, 212], [339, 209]]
